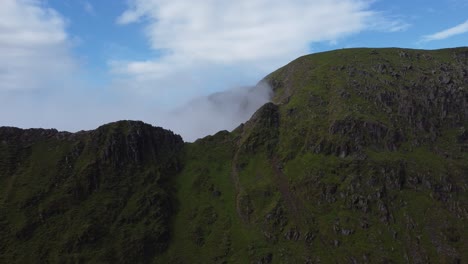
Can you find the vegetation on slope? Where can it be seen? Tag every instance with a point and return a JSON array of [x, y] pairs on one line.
[[361, 158]]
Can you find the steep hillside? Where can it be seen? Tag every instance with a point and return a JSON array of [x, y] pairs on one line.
[[101, 196], [362, 157]]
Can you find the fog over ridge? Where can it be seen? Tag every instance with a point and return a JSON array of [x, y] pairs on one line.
[[219, 111]]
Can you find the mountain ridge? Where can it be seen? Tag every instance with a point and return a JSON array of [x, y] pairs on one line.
[[360, 158]]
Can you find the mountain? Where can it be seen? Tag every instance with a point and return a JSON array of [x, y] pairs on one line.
[[361, 157]]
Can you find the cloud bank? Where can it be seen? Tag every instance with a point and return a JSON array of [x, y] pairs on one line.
[[254, 35], [219, 111]]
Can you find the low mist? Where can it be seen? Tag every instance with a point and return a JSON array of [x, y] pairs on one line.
[[219, 111]]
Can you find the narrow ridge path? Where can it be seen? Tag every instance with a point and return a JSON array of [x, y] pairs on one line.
[[293, 204]]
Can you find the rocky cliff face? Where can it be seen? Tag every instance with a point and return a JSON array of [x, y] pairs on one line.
[[360, 158]]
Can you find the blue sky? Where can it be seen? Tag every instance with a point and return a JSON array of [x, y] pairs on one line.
[[75, 64]]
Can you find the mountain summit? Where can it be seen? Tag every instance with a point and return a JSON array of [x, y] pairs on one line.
[[361, 157]]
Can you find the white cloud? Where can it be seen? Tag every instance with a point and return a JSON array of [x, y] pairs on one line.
[[33, 46], [257, 35], [447, 33]]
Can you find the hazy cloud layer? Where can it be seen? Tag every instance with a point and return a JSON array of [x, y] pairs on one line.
[[33, 46], [447, 33], [216, 112]]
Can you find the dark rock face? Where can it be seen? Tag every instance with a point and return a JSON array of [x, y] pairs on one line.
[[365, 134], [263, 129], [134, 143], [13, 134]]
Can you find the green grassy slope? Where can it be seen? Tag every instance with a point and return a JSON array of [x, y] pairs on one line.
[[361, 157]]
